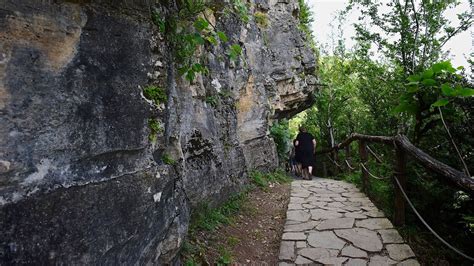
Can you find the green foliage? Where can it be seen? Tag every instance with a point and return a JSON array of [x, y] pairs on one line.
[[281, 136], [233, 241], [167, 159], [212, 101], [234, 52], [261, 19], [409, 33], [155, 94], [278, 176], [258, 178], [305, 17], [225, 93], [435, 86], [241, 10], [207, 218], [155, 128], [410, 73], [225, 256], [158, 21], [190, 262], [190, 29], [262, 180]]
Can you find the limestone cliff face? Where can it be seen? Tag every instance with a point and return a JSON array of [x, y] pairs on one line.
[[80, 180]]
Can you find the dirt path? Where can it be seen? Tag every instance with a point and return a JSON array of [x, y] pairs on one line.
[[254, 236]]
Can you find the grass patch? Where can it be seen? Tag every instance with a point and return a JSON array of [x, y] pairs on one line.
[[155, 128], [155, 94], [261, 19], [225, 256], [207, 219], [212, 101], [233, 241], [262, 180], [166, 158]]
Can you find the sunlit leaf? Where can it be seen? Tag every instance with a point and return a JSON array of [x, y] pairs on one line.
[[440, 102], [447, 90], [201, 24], [466, 92], [429, 82], [413, 89], [234, 51], [428, 74], [439, 67], [222, 36], [212, 40], [411, 83], [414, 78]]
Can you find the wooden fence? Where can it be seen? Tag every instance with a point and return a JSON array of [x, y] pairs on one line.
[[402, 148]]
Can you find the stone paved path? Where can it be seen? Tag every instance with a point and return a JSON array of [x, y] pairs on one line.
[[331, 222]]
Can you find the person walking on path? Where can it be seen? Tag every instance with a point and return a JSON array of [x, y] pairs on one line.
[[296, 158], [305, 145]]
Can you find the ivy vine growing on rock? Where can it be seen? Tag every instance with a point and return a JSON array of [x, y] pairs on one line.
[[190, 28]]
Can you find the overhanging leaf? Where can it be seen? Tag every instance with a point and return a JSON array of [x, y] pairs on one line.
[[447, 90], [466, 92], [428, 74], [212, 40], [429, 82], [201, 24], [413, 89], [414, 78], [439, 67], [440, 102]]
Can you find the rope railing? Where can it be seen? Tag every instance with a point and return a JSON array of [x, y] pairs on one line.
[[372, 175], [427, 225], [377, 158], [334, 162], [349, 165], [404, 147], [444, 171]]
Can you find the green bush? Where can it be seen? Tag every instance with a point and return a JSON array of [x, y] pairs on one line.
[[261, 19], [279, 176], [212, 101], [155, 94], [258, 179], [281, 135], [166, 158], [262, 180], [155, 128], [207, 218]]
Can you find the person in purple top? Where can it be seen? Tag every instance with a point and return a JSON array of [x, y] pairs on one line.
[[305, 145]]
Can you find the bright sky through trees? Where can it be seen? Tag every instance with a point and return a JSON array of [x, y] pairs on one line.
[[325, 12]]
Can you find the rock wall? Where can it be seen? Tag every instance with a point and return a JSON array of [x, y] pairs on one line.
[[80, 179]]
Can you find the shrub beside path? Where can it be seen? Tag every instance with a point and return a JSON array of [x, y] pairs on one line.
[[331, 222]]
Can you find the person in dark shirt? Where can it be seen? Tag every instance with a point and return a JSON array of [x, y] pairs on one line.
[[294, 156], [306, 145]]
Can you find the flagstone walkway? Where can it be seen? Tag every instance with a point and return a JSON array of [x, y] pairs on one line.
[[331, 222]]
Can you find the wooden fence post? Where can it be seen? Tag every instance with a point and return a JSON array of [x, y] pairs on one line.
[[325, 170], [348, 156], [363, 159], [335, 158], [400, 174]]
